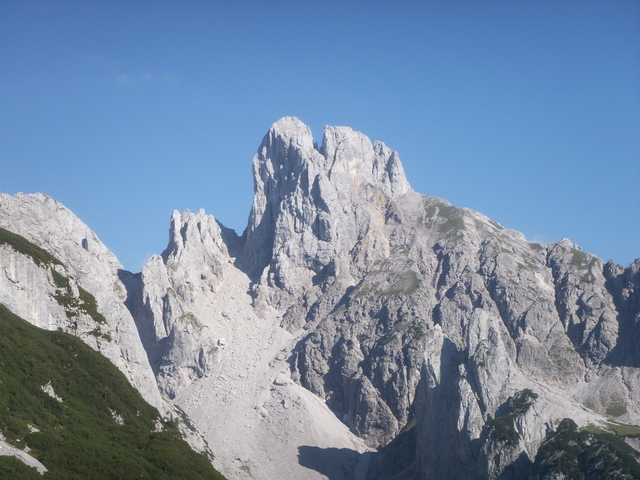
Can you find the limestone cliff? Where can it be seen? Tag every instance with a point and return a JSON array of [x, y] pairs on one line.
[[317, 214]]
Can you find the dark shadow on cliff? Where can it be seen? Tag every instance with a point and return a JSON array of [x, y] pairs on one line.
[[518, 469], [235, 247], [133, 284], [623, 284], [397, 460], [334, 463]]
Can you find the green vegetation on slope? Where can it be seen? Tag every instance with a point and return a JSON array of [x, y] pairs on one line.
[[448, 219], [24, 246], [503, 428], [583, 454], [82, 436], [85, 303]]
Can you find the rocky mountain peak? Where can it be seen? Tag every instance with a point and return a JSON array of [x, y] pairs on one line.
[[313, 206], [189, 230], [289, 162]]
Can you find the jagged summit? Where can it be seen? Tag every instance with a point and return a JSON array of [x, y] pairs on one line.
[[350, 153], [343, 151], [288, 150], [312, 207]]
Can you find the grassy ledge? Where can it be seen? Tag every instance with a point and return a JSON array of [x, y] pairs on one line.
[[503, 428]]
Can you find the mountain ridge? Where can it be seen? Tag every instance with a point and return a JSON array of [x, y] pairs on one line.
[[355, 315]]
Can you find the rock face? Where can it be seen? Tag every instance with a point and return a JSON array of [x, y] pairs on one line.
[[355, 314], [168, 301], [317, 214], [401, 312], [224, 362]]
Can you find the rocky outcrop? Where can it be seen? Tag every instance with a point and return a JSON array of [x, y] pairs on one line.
[[585, 306], [172, 296], [514, 316], [317, 214], [623, 284]]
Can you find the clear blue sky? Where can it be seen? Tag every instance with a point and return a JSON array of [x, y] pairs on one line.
[[527, 111]]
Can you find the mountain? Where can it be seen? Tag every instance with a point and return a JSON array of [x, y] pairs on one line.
[[358, 329], [78, 262], [139, 434]]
